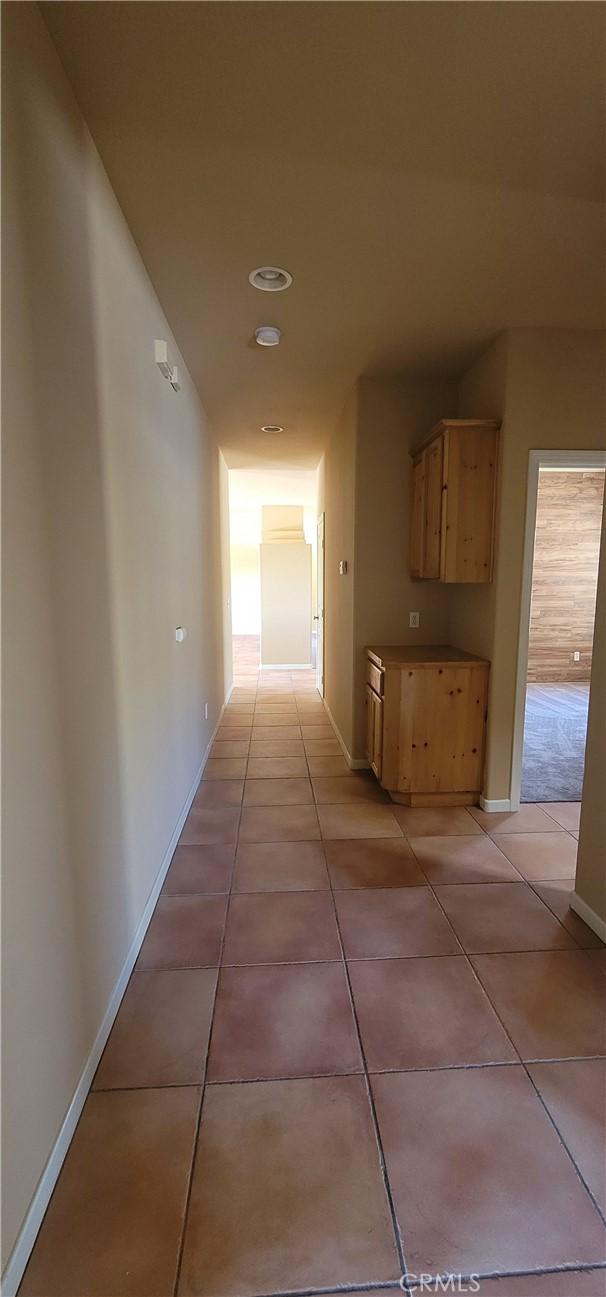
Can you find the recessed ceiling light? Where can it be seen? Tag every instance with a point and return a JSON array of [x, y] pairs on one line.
[[272, 428], [270, 279], [267, 335]]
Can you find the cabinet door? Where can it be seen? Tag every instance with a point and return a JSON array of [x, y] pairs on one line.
[[374, 730], [432, 461], [417, 519], [442, 723], [470, 468]]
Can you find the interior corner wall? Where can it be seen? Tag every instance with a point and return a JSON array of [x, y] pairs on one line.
[[337, 498], [548, 387], [471, 608], [111, 540], [393, 414], [590, 883], [481, 395]]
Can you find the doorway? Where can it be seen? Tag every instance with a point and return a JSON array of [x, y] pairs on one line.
[[273, 539], [564, 520]]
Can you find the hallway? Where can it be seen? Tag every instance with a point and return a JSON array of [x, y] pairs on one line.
[[246, 658], [265, 1031], [400, 1051]]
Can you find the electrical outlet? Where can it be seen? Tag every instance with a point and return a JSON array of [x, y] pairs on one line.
[[414, 619], [576, 657]]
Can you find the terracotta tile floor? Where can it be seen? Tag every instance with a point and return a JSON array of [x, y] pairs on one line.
[[360, 1041]]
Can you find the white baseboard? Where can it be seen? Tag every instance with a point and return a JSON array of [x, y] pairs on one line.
[[287, 666], [20, 1254], [584, 911], [354, 763], [495, 804]]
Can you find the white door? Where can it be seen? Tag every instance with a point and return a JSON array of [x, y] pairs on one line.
[[319, 616]]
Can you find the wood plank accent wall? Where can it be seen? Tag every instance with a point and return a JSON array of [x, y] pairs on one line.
[[567, 544]]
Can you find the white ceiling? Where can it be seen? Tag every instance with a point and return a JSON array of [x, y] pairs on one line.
[[430, 173]]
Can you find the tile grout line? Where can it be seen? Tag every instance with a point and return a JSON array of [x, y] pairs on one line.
[[524, 882], [351, 959], [583, 1267], [525, 1065], [379, 1071], [390, 1285], [198, 1123], [399, 1242], [541, 882]]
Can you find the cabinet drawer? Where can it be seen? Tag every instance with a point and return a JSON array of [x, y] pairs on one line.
[[374, 677]]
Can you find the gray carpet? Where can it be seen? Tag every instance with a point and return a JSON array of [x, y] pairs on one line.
[[555, 727]]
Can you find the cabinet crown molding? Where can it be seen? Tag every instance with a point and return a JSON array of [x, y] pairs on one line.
[[443, 425]]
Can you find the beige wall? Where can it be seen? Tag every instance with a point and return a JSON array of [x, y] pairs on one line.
[[111, 540], [228, 666], [246, 589], [590, 883], [285, 603], [282, 522], [286, 586], [338, 499], [482, 394], [393, 414], [548, 387]]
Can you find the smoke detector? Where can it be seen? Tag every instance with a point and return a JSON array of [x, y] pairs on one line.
[[267, 335], [270, 279]]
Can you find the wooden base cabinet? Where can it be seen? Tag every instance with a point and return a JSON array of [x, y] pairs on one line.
[[426, 714]]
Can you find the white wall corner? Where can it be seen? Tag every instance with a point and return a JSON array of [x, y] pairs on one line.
[[354, 763], [20, 1254], [494, 804], [590, 917]]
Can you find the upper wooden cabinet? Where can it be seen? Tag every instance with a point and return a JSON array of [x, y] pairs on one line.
[[453, 501]]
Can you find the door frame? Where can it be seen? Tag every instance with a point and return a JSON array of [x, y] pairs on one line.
[[537, 459], [320, 590]]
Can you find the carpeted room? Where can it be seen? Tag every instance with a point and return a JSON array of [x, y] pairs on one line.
[[565, 566]]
